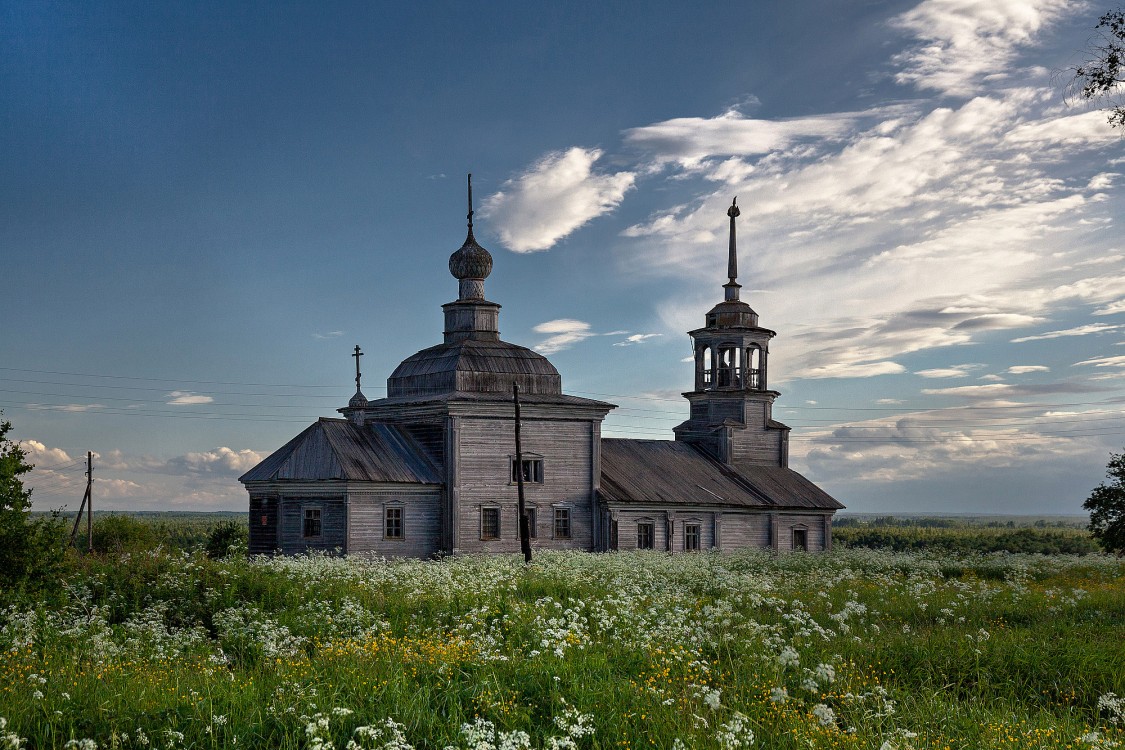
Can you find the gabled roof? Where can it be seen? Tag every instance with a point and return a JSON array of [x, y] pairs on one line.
[[338, 449], [669, 472]]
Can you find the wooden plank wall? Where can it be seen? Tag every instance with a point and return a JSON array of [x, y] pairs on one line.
[[814, 523], [743, 530], [484, 470], [333, 523], [421, 523], [263, 536]]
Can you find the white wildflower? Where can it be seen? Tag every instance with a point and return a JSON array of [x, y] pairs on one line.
[[825, 715], [736, 733], [779, 695]]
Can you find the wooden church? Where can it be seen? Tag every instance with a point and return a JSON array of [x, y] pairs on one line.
[[431, 469]]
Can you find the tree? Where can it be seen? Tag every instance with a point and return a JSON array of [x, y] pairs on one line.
[[31, 550], [1107, 507], [1104, 72]]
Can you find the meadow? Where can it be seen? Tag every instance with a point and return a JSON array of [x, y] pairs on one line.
[[859, 648]]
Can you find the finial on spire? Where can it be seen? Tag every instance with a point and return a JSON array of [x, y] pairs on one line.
[[357, 355], [732, 286], [470, 216], [358, 401]]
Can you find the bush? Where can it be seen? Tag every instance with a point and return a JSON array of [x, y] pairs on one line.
[[119, 533], [226, 538]]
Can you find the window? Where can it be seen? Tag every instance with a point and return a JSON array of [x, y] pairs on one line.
[[392, 528], [532, 470], [801, 539], [312, 522], [489, 523], [691, 537], [532, 518], [562, 523], [646, 535]]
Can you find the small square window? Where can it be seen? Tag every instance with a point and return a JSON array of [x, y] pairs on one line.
[[532, 525], [312, 523], [532, 470], [393, 526], [691, 537], [646, 535], [801, 539], [489, 523], [562, 523]]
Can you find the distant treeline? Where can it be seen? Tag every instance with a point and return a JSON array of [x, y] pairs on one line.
[[946, 536]]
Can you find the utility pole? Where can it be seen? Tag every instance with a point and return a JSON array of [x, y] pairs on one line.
[[525, 531], [89, 502], [87, 505]]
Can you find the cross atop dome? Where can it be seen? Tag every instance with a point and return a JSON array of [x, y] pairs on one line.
[[471, 264]]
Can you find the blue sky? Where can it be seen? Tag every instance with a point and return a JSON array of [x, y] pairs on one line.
[[204, 207]]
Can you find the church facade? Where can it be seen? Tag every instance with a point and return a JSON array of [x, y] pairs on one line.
[[431, 469]]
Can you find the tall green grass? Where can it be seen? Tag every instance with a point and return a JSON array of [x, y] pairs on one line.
[[854, 649]]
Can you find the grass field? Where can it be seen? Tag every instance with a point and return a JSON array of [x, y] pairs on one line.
[[859, 648]]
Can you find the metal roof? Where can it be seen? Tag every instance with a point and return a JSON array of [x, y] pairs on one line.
[[338, 449], [669, 472]]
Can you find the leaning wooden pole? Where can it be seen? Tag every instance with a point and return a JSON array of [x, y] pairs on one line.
[[78, 518], [89, 501], [525, 531]]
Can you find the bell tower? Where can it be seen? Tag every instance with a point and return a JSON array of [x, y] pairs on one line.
[[731, 406]]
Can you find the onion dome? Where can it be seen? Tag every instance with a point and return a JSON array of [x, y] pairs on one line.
[[472, 263]]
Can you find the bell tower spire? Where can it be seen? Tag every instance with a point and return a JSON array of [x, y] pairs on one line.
[[731, 403], [471, 316], [732, 286]]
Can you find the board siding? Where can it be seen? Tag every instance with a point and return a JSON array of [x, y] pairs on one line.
[[263, 536], [486, 447], [333, 522], [421, 523]]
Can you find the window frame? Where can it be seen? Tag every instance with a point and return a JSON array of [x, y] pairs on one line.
[[532, 522], [562, 514], [487, 510], [536, 464], [803, 533], [315, 515], [651, 526], [401, 512], [693, 531]]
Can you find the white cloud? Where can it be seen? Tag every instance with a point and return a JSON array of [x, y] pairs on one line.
[[1085, 330], [564, 333], [964, 42], [1118, 361], [954, 371], [1087, 128], [1024, 369], [688, 140], [555, 196], [328, 335], [38, 453], [187, 397], [223, 461], [853, 370], [639, 338]]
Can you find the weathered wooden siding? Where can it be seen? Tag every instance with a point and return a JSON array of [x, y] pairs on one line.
[[263, 525], [421, 532], [744, 530], [484, 453], [333, 521], [813, 524]]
